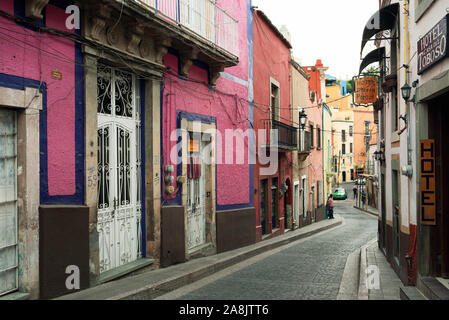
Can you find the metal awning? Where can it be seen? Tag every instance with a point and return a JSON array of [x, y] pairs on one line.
[[374, 56], [384, 19]]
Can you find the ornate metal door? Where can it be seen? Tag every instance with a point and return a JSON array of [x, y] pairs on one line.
[[196, 207], [119, 165], [8, 202]]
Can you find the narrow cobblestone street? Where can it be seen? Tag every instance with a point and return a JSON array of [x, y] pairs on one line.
[[307, 270]]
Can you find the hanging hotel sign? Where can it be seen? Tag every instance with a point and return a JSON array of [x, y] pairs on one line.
[[427, 183], [433, 46], [365, 90]]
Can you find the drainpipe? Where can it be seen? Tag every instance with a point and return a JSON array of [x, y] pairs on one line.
[[322, 151]]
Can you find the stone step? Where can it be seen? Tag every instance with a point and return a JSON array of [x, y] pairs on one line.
[[411, 293]]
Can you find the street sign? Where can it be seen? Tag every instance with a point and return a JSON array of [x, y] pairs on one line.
[[433, 46], [427, 183], [365, 91]]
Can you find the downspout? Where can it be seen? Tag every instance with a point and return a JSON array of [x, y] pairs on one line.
[[324, 171], [408, 170]]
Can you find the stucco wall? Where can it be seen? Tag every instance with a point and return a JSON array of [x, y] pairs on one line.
[[30, 55], [271, 61], [228, 104]]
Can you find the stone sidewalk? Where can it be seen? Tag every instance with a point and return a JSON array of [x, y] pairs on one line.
[[378, 281], [151, 284]]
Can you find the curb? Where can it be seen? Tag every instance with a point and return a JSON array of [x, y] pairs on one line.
[[363, 293], [183, 278], [349, 284], [367, 211]]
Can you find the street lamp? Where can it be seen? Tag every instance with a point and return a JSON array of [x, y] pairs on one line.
[[302, 118], [406, 91]]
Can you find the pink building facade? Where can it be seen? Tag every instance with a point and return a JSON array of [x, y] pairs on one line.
[[317, 198], [90, 119], [42, 112], [216, 118]]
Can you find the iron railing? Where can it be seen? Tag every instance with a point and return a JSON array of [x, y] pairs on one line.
[[203, 17], [281, 135]]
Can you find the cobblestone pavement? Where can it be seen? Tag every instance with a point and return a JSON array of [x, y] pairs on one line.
[[309, 269]]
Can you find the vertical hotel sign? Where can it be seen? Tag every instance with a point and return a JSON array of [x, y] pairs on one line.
[[427, 183], [365, 90], [433, 46]]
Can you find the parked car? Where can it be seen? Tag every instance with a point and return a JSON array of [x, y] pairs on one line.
[[340, 194]]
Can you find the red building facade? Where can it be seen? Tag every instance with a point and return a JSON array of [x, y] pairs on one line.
[[272, 110]]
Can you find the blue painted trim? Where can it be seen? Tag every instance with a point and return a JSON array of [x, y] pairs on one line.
[[193, 117], [62, 4], [19, 83], [327, 109], [189, 117], [142, 167], [234, 79]]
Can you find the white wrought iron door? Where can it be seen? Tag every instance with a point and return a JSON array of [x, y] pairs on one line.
[[8, 202], [119, 200], [196, 207]]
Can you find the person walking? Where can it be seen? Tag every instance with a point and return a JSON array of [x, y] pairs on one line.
[[330, 207], [355, 191]]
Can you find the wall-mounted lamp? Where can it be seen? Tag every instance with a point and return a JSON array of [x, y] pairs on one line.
[[302, 118], [406, 91], [379, 155]]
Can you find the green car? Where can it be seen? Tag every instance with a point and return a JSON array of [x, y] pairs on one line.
[[340, 194]]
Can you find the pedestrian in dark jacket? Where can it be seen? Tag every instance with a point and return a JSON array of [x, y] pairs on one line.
[[355, 191], [330, 207]]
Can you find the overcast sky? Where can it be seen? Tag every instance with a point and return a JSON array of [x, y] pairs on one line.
[[330, 30]]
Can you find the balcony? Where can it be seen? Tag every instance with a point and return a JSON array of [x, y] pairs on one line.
[[280, 135], [203, 17], [305, 144]]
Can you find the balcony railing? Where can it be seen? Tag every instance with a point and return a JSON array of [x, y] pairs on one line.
[[203, 17], [281, 135]]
